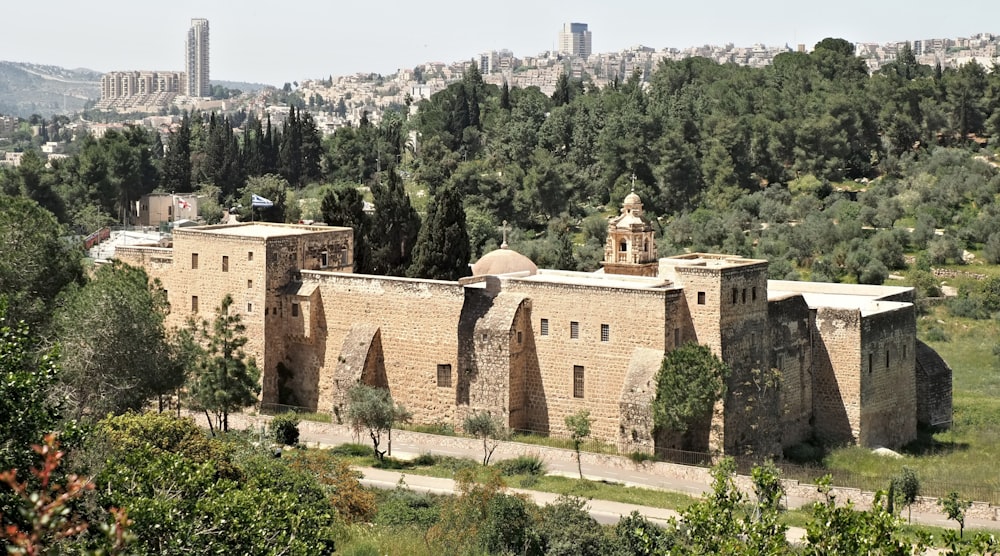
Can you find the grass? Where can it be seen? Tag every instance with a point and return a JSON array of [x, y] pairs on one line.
[[588, 445], [962, 458]]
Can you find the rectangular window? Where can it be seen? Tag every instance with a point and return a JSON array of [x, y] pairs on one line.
[[249, 284], [295, 309], [194, 261], [574, 330], [225, 263], [249, 255], [605, 332], [324, 259], [886, 359], [677, 337], [250, 307], [444, 376], [519, 336], [577, 381], [545, 327], [736, 294], [871, 362], [744, 295], [194, 303], [753, 293], [701, 298]]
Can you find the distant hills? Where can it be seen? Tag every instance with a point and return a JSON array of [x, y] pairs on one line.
[[27, 89]]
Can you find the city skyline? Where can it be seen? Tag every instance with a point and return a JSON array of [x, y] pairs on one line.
[[259, 44]]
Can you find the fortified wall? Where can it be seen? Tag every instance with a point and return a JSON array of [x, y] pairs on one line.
[[533, 346]]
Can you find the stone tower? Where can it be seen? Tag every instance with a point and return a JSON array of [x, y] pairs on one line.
[[630, 247]]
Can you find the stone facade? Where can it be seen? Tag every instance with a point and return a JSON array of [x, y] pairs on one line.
[[534, 346]]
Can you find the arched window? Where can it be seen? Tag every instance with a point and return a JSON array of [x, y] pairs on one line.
[[623, 247], [645, 246]]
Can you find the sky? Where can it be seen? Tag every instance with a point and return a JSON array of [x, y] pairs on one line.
[[276, 42]]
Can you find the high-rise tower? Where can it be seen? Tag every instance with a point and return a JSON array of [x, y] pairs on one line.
[[196, 60], [574, 40]]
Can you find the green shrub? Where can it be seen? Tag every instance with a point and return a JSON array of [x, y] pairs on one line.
[[352, 450], [641, 457], [936, 334], [806, 452], [285, 429], [455, 464], [521, 465], [426, 458], [402, 508], [968, 307]]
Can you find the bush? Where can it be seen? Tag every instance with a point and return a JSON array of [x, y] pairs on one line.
[[967, 307], [285, 429], [425, 458], [936, 334], [641, 457], [521, 465], [352, 450], [402, 508]]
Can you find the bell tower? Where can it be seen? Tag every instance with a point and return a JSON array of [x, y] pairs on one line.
[[630, 248]]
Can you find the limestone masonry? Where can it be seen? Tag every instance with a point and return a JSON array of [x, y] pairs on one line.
[[535, 345]]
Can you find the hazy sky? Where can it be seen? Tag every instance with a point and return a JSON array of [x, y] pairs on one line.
[[274, 42]]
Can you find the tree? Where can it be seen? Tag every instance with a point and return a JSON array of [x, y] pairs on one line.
[[116, 356], [226, 379], [578, 425], [343, 205], [373, 409], [955, 507], [690, 381], [36, 263], [177, 160], [905, 488], [398, 226], [487, 427], [271, 187], [442, 250], [27, 408]]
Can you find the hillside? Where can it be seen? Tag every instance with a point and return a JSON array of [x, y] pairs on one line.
[[27, 89]]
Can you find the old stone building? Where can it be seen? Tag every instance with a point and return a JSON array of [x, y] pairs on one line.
[[535, 345]]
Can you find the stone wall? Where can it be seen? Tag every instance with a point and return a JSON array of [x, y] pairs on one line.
[[418, 324], [934, 408], [888, 382], [792, 357], [836, 355], [636, 318]]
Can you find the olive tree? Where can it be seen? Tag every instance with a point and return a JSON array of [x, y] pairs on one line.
[[489, 428], [579, 428], [373, 409]]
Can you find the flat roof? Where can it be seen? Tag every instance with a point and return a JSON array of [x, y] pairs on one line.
[[708, 260], [869, 300], [263, 229], [572, 278]]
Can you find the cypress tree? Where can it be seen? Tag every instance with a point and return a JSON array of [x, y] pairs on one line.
[[397, 225], [442, 251], [344, 206], [177, 160]]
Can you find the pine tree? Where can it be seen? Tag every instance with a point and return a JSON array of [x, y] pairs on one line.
[[226, 379], [442, 251]]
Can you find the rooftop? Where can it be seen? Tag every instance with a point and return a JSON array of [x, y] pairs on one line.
[[592, 279], [867, 299], [263, 229]]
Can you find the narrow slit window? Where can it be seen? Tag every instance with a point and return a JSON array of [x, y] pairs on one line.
[[574, 330], [736, 294], [324, 259], [194, 303], [605, 332], [444, 376], [249, 255], [194, 261], [295, 309], [545, 327], [225, 263], [577, 381]]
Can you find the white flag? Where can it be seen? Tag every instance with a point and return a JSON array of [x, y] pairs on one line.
[[258, 201]]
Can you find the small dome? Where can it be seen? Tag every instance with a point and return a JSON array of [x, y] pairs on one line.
[[632, 199], [503, 261]]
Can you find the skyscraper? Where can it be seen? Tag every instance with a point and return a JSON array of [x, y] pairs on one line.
[[196, 60], [574, 40]]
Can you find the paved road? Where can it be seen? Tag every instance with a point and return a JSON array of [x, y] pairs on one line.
[[562, 462]]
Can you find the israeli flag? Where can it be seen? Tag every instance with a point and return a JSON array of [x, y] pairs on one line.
[[258, 201]]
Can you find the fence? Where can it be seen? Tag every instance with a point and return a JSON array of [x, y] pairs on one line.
[[807, 474]]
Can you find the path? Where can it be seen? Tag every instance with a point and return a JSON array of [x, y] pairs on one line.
[[692, 481]]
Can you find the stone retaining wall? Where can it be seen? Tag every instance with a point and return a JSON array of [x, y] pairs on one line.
[[801, 492]]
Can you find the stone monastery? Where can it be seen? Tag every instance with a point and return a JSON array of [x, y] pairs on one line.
[[534, 345]]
